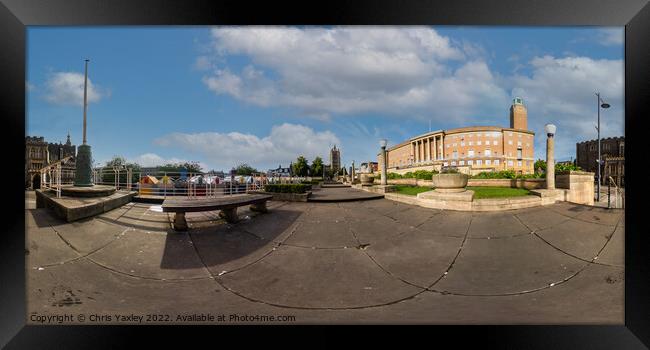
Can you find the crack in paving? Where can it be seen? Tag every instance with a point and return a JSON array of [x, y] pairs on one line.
[[592, 261]]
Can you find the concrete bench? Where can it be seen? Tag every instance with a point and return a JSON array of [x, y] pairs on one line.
[[228, 206]]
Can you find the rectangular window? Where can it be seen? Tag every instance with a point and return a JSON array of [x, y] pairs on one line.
[[519, 163], [510, 142], [488, 153], [455, 155], [453, 163], [496, 162], [445, 164], [469, 162], [471, 143], [462, 162], [519, 154], [488, 162], [518, 143], [478, 143], [470, 153], [462, 143], [510, 163], [479, 162]]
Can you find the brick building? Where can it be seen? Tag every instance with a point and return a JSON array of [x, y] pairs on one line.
[[471, 149]]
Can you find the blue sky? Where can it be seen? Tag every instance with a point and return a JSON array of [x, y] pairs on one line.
[[264, 95]]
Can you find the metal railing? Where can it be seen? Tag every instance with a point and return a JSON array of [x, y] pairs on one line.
[[619, 194], [54, 176], [163, 183]]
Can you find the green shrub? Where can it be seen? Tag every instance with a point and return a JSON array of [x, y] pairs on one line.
[[566, 167], [287, 188], [506, 174], [394, 176]]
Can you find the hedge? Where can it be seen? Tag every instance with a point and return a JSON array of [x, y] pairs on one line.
[[418, 174], [287, 188]]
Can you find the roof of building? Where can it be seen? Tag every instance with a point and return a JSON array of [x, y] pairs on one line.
[[616, 138]]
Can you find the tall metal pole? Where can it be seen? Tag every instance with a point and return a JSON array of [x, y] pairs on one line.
[[598, 185], [85, 100]]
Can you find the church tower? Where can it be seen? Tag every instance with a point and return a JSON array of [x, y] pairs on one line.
[[518, 114]]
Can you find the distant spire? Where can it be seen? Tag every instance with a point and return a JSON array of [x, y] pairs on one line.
[[68, 141]]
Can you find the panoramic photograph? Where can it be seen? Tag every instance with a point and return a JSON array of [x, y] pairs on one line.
[[325, 175]]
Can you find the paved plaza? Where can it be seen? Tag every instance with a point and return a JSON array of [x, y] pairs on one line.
[[374, 261]]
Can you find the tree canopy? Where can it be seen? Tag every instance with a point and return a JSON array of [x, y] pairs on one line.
[[300, 167], [244, 169], [317, 167]]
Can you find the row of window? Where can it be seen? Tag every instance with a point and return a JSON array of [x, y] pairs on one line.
[[487, 162], [486, 153], [493, 134], [487, 143]]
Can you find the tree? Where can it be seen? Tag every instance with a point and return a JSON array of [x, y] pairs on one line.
[[540, 164], [299, 168], [245, 169], [317, 167], [108, 173]]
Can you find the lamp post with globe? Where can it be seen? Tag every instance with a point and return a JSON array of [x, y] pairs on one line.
[[550, 158], [384, 167]]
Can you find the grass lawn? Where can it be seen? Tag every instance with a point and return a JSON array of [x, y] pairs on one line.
[[479, 192], [411, 190], [498, 192]]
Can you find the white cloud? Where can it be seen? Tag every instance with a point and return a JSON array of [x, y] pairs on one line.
[[224, 150], [611, 36], [346, 70], [67, 88], [562, 91]]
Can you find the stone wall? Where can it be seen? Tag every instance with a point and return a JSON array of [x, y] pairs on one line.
[[514, 183], [580, 185]]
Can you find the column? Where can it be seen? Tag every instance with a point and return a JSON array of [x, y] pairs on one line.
[[550, 162], [435, 147]]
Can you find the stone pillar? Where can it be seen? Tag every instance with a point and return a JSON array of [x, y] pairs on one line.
[[352, 172], [550, 162], [384, 168], [180, 224]]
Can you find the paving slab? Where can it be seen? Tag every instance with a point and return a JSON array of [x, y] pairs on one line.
[[602, 216], [540, 218], [86, 240], [417, 256], [324, 278], [614, 251], [329, 234], [342, 194], [44, 247], [377, 228], [273, 226], [384, 207], [448, 223], [142, 266], [570, 209], [578, 238], [414, 216], [152, 255], [496, 225], [509, 265], [227, 248]]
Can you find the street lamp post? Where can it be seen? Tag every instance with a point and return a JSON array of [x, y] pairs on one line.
[[550, 158], [384, 168], [601, 104]]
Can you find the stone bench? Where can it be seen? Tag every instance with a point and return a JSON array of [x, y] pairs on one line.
[[228, 206]]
